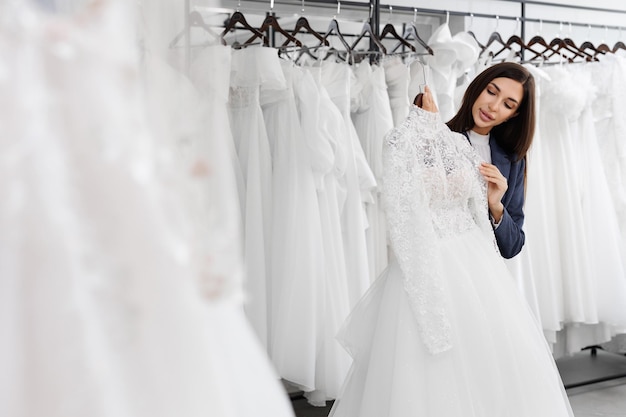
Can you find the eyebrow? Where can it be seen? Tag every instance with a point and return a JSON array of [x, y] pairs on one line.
[[498, 88]]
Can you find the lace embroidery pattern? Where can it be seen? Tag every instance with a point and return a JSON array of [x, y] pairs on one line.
[[432, 190], [243, 97]]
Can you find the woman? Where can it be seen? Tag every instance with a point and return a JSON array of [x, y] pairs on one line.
[[501, 130], [443, 331]]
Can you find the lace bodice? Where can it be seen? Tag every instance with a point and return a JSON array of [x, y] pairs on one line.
[[432, 191]]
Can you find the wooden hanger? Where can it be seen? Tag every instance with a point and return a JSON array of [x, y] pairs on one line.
[[495, 38], [569, 42], [297, 53], [480, 45], [410, 32], [195, 20], [333, 29], [538, 40], [303, 24], [305, 50], [602, 49], [367, 31], [529, 47], [508, 46], [390, 29], [618, 45], [271, 22], [586, 45], [558, 45], [238, 17]]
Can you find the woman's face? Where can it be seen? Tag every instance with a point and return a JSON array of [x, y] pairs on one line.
[[497, 103]]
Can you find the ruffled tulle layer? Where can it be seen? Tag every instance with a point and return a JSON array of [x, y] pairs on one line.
[[499, 364]]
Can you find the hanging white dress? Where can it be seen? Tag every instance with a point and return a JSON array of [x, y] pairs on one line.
[[420, 75], [605, 241], [443, 331], [250, 68], [611, 133], [297, 263], [210, 159], [372, 120], [333, 305], [397, 80], [538, 266], [359, 183], [593, 275], [99, 293], [452, 57], [610, 81], [562, 105], [619, 89]]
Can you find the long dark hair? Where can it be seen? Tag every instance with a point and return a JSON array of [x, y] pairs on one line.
[[516, 134]]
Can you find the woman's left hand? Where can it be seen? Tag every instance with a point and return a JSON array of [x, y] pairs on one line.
[[497, 185]]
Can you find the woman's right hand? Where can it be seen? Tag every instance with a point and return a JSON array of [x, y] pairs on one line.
[[426, 101]]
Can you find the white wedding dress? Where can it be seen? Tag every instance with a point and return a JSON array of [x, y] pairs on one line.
[[358, 182], [250, 68], [444, 331], [317, 117], [372, 119], [397, 80], [592, 273], [297, 262], [106, 308]]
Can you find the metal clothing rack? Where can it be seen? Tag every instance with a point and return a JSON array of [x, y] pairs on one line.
[[374, 8], [377, 6], [596, 366]]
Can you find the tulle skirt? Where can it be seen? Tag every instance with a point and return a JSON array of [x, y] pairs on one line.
[[499, 364]]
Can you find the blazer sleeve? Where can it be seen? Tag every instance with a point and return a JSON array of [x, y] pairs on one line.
[[509, 234]]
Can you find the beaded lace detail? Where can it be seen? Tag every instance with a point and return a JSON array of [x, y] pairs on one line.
[[432, 191], [242, 97]]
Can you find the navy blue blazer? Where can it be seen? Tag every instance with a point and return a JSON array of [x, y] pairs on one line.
[[509, 234]]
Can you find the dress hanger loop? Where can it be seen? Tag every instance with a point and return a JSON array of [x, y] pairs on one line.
[[422, 86]]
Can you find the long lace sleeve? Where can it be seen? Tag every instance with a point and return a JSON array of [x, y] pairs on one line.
[[413, 171]]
